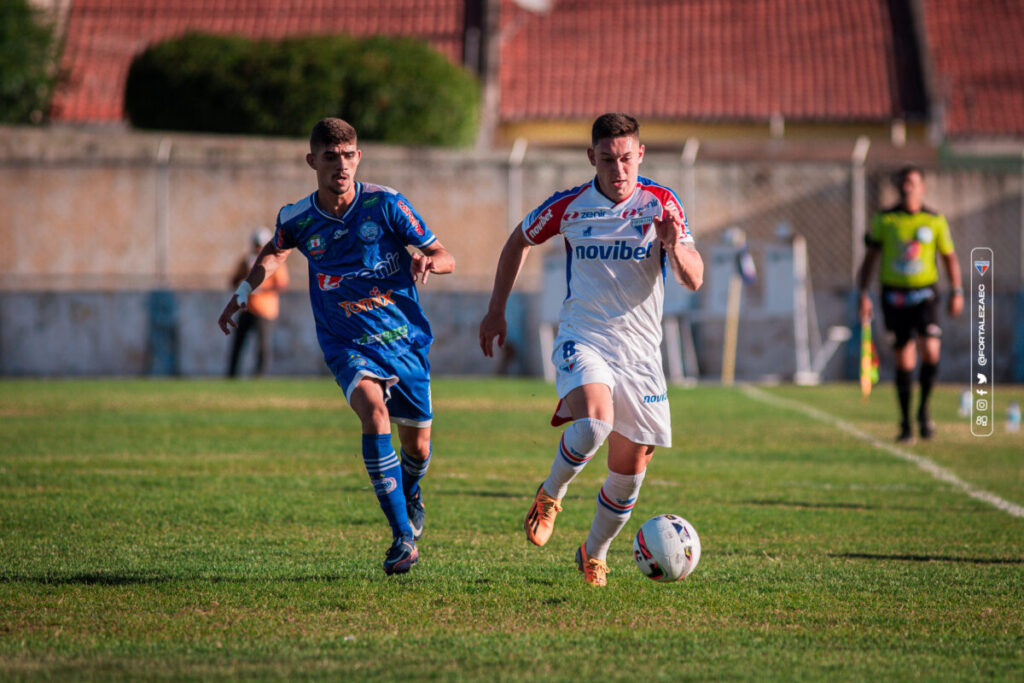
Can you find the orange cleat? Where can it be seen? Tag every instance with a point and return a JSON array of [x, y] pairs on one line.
[[594, 571], [540, 520]]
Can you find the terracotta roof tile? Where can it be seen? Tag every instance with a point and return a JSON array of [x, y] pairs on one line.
[[701, 59], [978, 59]]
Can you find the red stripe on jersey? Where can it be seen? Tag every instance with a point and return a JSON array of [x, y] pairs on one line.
[[669, 201], [548, 220]]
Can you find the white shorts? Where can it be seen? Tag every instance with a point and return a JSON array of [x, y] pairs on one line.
[[639, 392]]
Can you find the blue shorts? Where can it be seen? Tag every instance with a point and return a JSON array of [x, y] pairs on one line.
[[406, 380]]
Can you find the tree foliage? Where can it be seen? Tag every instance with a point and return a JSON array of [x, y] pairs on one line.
[[27, 63], [394, 90]]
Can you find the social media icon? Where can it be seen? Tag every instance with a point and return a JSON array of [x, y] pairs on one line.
[[982, 379]]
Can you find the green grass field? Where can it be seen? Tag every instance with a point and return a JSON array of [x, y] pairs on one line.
[[207, 530]]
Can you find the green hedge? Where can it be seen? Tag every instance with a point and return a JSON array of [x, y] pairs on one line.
[[394, 90], [27, 63]]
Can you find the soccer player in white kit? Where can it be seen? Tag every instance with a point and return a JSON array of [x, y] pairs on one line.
[[620, 230]]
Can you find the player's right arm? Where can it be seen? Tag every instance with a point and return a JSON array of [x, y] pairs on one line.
[[872, 254], [268, 261], [867, 268], [510, 263]]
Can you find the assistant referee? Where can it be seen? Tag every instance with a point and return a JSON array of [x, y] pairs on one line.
[[906, 238]]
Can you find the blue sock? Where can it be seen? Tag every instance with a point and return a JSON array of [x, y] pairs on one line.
[[385, 472], [413, 470]]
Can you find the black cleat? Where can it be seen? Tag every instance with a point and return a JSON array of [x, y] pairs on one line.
[[926, 428], [417, 515], [906, 436], [402, 555]]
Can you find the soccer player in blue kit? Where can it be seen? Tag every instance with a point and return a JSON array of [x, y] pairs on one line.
[[374, 335]]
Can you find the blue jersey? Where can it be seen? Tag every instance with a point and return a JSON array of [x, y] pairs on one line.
[[360, 280]]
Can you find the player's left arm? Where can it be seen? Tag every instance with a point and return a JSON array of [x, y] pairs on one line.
[[685, 261], [946, 251], [956, 296], [433, 258]]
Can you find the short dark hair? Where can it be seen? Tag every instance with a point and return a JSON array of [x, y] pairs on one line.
[[614, 125], [330, 132], [900, 176]]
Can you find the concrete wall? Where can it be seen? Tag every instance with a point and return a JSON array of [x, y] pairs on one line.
[[94, 222], [84, 333]]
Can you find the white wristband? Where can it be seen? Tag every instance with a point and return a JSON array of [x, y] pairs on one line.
[[242, 293]]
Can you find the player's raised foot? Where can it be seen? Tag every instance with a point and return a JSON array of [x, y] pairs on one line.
[[417, 515], [402, 555], [594, 571], [540, 520], [906, 436]]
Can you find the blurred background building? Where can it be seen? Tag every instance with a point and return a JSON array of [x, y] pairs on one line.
[[778, 117]]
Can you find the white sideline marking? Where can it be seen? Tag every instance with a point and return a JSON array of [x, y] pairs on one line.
[[937, 471]]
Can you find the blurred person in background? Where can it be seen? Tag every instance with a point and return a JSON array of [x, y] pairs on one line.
[[906, 239], [261, 310]]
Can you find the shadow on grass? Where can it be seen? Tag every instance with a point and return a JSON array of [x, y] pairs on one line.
[[528, 495], [805, 505], [483, 494], [928, 558], [113, 579]]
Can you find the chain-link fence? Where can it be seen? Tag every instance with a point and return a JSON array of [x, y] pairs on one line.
[[168, 212], [830, 205]]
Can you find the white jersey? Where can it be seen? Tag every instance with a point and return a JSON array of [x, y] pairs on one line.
[[615, 265]]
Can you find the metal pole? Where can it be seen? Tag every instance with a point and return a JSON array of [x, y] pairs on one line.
[[689, 161], [515, 183], [804, 373], [732, 324], [162, 233], [858, 204]]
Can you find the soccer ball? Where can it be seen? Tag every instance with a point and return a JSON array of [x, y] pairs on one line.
[[666, 548]]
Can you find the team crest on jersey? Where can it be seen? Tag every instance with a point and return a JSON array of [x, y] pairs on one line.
[[315, 246], [641, 224], [355, 361], [369, 232]]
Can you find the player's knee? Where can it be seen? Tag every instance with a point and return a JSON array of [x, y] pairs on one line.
[[587, 434], [373, 416], [629, 459], [418, 449]]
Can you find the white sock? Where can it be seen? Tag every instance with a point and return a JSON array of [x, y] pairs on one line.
[[580, 441], [614, 506]]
